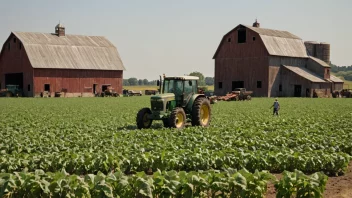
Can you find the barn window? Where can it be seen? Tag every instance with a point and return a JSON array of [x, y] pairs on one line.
[[14, 40], [259, 84], [328, 71], [46, 87], [280, 87], [220, 85], [253, 38], [241, 35], [29, 87], [20, 45], [8, 45], [229, 40]]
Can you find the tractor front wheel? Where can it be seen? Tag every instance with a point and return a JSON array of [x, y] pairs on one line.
[[201, 112], [143, 122], [177, 118]]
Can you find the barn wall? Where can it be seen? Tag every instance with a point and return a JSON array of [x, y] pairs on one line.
[[288, 79], [275, 63], [249, 70], [233, 49], [15, 60], [337, 86], [316, 68], [76, 82]]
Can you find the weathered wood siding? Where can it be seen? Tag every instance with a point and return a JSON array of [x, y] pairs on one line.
[[316, 68], [289, 79], [241, 62], [249, 70], [76, 81], [15, 60], [275, 63], [233, 49]]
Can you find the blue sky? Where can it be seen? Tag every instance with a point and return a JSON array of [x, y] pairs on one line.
[[178, 37]]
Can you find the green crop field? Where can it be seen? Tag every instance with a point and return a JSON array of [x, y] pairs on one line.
[[90, 147]]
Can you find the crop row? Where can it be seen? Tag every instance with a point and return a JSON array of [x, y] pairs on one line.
[[181, 160], [230, 183]]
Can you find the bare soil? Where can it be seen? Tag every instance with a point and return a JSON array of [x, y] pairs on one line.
[[336, 187]]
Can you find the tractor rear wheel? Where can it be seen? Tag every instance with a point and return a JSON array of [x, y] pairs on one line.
[[201, 112], [177, 118], [143, 122]]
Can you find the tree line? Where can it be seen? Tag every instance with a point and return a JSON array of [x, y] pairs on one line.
[[203, 81], [342, 71]]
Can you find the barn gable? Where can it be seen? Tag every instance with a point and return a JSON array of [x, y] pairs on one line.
[[276, 42], [50, 51]]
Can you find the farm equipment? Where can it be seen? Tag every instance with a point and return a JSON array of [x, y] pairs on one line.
[[128, 93], [109, 91], [346, 93], [178, 103], [237, 94], [243, 94], [10, 91], [150, 92]]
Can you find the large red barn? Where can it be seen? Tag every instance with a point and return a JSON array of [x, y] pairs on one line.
[[72, 65]]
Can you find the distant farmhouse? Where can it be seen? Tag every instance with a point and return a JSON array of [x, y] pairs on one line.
[[74, 65], [273, 63]]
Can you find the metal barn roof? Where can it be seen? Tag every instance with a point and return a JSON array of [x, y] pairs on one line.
[[305, 73], [277, 42], [320, 62], [46, 50], [281, 43], [271, 32], [335, 79]]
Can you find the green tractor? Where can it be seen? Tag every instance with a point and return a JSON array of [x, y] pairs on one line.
[[178, 103]]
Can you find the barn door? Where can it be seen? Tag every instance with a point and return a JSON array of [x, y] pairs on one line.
[[237, 84], [298, 90]]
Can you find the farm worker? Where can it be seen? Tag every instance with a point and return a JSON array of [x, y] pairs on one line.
[[276, 106]]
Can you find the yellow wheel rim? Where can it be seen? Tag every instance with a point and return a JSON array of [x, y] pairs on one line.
[[179, 120], [204, 114], [146, 121]]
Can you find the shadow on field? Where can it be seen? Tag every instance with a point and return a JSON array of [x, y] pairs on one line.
[[134, 127]]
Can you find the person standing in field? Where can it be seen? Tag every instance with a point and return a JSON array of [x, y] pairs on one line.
[[276, 106]]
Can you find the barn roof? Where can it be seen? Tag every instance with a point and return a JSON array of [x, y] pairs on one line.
[[305, 73], [281, 43], [47, 50], [320, 62], [277, 42], [335, 79]]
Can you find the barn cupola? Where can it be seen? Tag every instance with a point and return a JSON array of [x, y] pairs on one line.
[[256, 24], [60, 30]]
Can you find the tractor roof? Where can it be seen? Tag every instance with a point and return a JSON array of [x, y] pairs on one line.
[[182, 77]]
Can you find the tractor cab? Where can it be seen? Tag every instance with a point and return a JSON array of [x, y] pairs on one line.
[[175, 105], [183, 88]]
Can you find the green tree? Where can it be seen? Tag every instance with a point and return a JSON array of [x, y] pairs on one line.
[[145, 82], [125, 82], [209, 81], [140, 82], [133, 81], [201, 77]]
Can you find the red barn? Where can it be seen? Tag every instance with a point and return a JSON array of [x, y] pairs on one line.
[[272, 63], [73, 65]]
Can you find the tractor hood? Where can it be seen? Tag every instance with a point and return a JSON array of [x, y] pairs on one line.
[[167, 96]]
